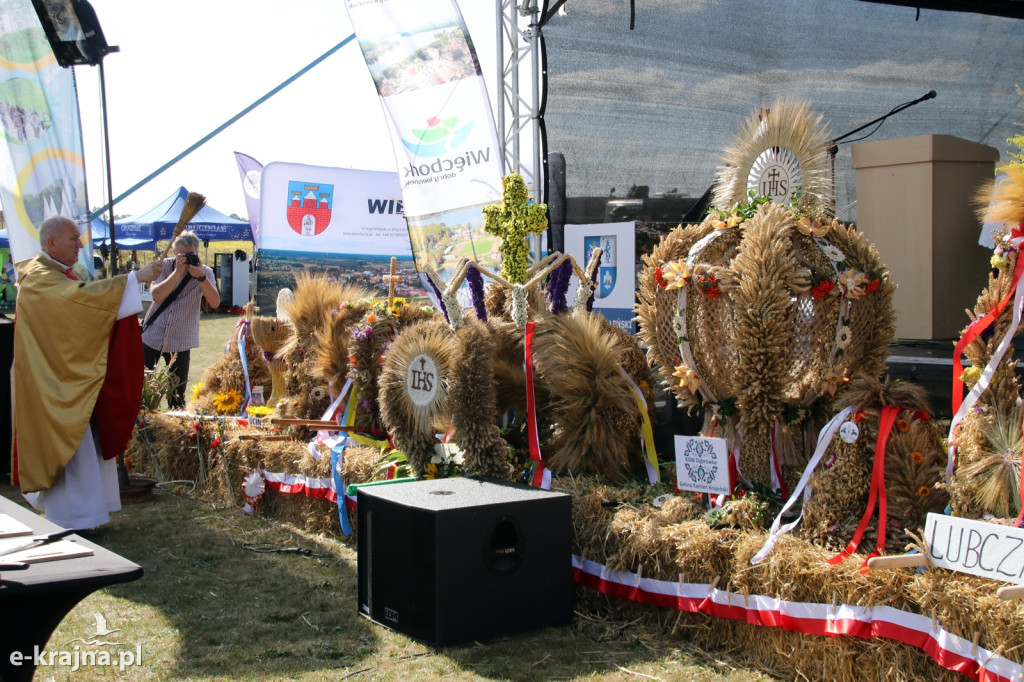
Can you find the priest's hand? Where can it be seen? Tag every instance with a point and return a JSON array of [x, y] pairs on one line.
[[150, 272]]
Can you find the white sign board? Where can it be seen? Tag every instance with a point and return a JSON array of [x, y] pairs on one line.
[[702, 465], [985, 549], [615, 293], [319, 209]]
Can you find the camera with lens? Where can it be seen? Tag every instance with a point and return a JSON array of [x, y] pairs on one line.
[[192, 259]]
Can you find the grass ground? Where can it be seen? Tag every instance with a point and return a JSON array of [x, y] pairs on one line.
[[209, 609]]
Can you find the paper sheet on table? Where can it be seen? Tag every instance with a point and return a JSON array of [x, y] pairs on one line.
[[54, 551], [11, 527]]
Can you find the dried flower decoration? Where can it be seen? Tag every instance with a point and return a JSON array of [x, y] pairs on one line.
[[675, 274], [852, 284], [688, 378], [812, 229]]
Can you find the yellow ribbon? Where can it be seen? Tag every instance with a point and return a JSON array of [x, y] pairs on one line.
[[648, 431]]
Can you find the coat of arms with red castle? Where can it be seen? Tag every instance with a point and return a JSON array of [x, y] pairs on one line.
[[309, 206]]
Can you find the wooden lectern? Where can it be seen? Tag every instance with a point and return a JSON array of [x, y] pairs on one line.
[[914, 203]]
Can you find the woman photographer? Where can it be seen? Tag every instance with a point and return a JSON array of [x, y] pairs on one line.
[[171, 327]]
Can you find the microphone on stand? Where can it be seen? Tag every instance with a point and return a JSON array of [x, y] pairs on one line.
[[833, 146]]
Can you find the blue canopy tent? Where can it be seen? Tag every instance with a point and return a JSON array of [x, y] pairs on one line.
[[101, 233], [158, 223]]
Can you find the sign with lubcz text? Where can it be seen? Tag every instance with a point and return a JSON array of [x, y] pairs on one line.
[[985, 549]]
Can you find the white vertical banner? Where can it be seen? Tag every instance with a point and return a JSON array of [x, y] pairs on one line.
[[423, 63], [41, 168]]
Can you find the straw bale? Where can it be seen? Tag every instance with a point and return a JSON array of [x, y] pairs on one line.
[[359, 463], [163, 445], [616, 526]]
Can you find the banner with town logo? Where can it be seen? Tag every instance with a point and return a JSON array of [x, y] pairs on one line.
[[615, 293], [424, 65], [41, 170], [344, 223]]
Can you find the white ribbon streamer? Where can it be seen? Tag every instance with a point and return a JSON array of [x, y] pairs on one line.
[[322, 436], [824, 438]]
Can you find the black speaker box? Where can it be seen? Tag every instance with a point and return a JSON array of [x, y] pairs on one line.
[[457, 560]]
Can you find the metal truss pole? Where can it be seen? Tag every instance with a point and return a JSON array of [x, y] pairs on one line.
[[517, 116]]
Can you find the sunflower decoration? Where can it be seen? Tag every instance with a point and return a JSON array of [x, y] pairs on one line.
[[227, 402], [771, 305], [394, 310]]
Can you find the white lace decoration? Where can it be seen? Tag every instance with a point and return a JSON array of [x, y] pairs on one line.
[[454, 309], [519, 305]]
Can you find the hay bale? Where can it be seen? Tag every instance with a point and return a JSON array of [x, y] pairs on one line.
[[618, 528]]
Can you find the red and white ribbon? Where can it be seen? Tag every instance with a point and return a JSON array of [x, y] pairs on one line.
[[825, 437], [885, 422], [298, 484], [961, 405], [948, 650], [541, 474]]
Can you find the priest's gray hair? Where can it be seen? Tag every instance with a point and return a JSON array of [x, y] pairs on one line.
[[52, 225], [187, 239]]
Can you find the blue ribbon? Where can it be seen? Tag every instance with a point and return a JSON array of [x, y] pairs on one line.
[[243, 332], [339, 486]]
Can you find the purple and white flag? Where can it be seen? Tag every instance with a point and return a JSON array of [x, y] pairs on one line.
[[251, 171]]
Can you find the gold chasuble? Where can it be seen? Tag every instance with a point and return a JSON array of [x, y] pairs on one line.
[[63, 330]]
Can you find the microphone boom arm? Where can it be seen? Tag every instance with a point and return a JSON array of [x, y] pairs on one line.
[[931, 95]]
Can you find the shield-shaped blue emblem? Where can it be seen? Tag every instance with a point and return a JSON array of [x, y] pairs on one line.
[[606, 273]]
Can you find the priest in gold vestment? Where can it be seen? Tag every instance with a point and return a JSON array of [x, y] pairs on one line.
[[77, 380]]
